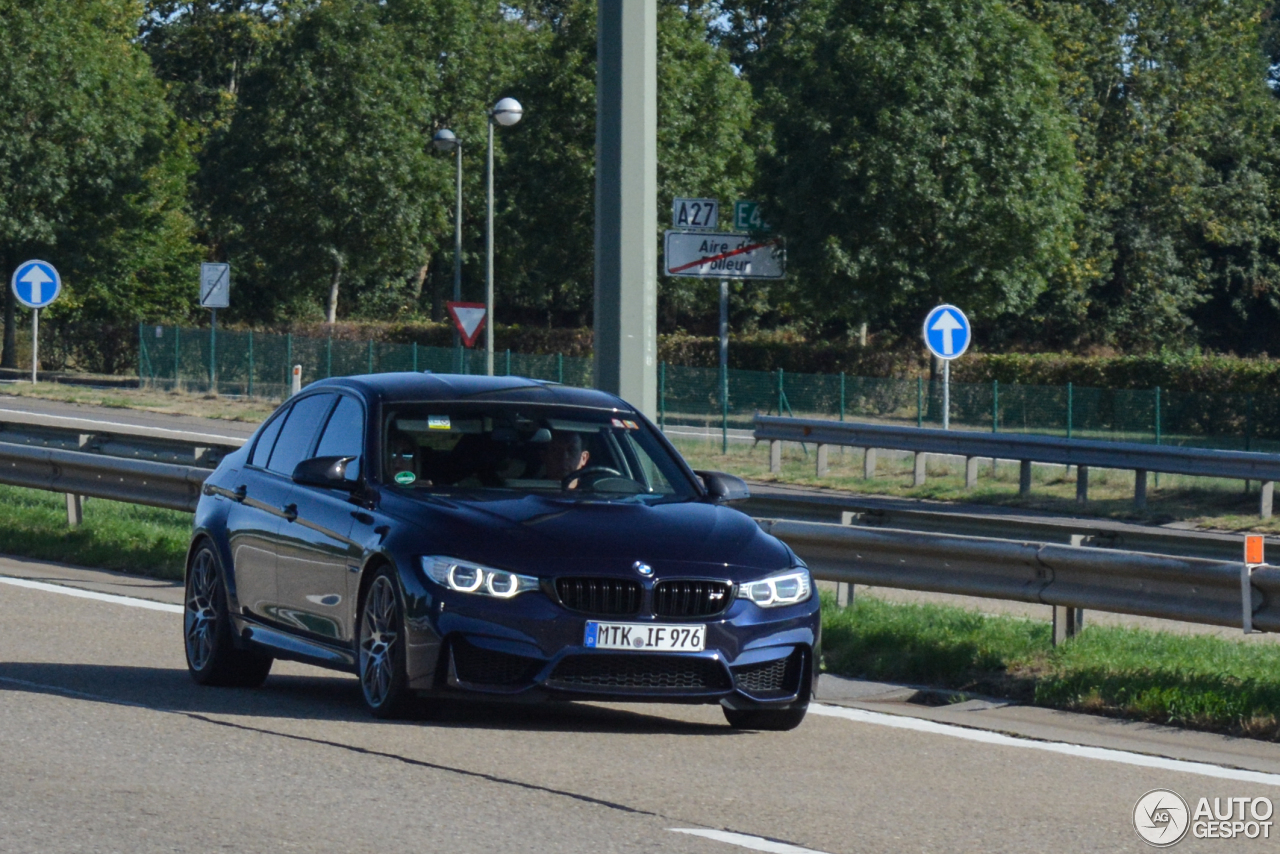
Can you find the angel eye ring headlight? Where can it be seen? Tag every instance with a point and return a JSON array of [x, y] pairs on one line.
[[467, 577], [789, 588]]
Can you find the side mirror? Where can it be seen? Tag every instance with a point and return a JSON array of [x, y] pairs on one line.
[[723, 488], [325, 472]]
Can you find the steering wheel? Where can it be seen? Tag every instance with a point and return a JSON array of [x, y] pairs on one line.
[[588, 476]]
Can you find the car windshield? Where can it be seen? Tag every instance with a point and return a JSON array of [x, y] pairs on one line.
[[450, 446]]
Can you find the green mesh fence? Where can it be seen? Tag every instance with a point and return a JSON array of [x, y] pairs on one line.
[[258, 364]]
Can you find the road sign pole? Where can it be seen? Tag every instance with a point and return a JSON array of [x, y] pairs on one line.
[[946, 394], [213, 353], [35, 343], [724, 366]]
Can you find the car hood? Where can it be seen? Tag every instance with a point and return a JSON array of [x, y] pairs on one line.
[[549, 535]]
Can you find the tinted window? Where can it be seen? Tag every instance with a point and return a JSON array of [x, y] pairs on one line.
[[456, 445], [267, 441], [344, 434], [299, 429]]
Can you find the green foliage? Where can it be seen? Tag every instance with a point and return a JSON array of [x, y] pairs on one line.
[[547, 177], [1191, 373], [326, 167], [1073, 174], [1173, 136], [202, 49], [126, 537], [923, 644], [921, 154], [1187, 680], [92, 175]]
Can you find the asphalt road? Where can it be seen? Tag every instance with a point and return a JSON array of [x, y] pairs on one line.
[[106, 745]]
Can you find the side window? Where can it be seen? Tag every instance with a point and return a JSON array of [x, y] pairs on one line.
[[344, 434], [267, 441], [299, 429]]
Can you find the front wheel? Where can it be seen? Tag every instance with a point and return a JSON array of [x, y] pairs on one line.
[[212, 656], [383, 680], [766, 719]]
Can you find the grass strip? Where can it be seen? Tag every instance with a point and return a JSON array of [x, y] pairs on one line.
[[1195, 681], [115, 535]]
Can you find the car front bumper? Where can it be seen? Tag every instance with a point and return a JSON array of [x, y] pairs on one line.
[[531, 648]]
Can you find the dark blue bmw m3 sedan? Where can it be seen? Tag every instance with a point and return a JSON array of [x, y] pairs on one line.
[[493, 537]]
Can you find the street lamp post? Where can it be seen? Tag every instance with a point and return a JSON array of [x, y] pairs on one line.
[[445, 140], [506, 113]]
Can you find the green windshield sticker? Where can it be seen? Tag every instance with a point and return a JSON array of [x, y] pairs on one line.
[[405, 478]]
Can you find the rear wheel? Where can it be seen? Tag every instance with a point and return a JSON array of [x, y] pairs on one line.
[[766, 719], [212, 656], [383, 680]]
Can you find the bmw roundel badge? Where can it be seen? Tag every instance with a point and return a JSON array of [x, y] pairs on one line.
[[642, 568]]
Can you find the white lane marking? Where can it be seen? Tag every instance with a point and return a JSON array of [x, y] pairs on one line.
[[131, 601], [1104, 754], [147, 427], [755, 843]]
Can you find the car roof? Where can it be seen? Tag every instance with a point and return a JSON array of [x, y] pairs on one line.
[[411, 387]]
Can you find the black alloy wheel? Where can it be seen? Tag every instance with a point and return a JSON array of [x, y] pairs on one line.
[[384, 684], [212, 655], [767, 719]]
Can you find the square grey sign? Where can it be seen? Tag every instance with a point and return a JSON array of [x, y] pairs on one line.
[[215, 285]]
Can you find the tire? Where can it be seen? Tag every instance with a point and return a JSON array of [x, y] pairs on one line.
[[384, 682], [777, 720], [212, 655]]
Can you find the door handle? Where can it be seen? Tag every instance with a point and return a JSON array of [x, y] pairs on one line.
[[239, 493], [290, 511]]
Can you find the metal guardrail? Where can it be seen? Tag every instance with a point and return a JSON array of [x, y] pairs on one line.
[[114, 439], [77, 473], [1193, 590], [772, 501], [973, 446]]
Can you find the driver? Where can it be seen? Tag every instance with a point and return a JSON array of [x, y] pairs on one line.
[[564, 455]]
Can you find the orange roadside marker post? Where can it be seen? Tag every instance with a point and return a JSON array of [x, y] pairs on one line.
[[1253, 557]]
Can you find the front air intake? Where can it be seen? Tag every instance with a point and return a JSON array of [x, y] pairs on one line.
[[604, 597], [691, 598]]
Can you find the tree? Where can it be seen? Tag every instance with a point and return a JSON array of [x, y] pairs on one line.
[[705, 148], [92, 173], [324, 173], [1175, 133], [921, 154], [201, 51], [326, 182]]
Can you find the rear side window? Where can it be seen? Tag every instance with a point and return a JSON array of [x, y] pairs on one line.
[[344, 435], [267, 441], [299, 430]]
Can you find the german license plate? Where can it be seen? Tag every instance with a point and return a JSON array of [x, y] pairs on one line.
[[647, 636]]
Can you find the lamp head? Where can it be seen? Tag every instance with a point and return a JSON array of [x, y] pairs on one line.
[[444, 140], [507, 112]]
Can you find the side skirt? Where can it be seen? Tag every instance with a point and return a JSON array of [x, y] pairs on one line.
[[283, 645]]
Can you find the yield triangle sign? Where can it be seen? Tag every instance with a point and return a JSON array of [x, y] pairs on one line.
[[469, 318]]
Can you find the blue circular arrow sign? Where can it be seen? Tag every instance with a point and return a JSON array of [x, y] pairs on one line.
[[36, 284], [946, 332]]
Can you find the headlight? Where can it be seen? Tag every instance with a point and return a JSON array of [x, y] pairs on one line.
[[466, 577], [789, 588]]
